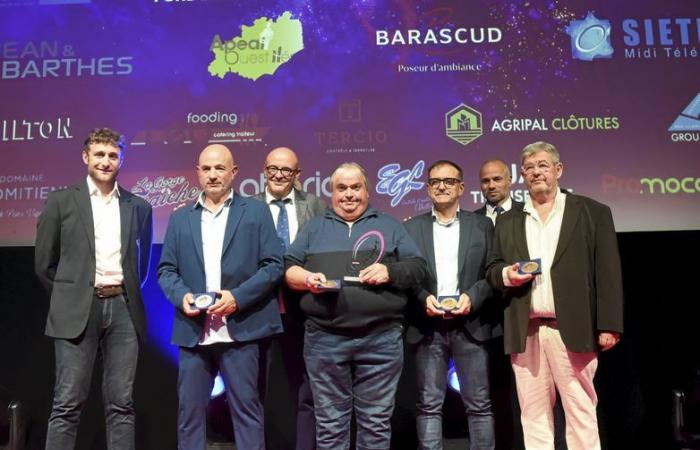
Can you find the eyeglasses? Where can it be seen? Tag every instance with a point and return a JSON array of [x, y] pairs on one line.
[[285, 171], [542, 166], [449, 182]]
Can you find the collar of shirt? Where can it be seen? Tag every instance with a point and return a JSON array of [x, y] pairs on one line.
[[445, 224], [559, 200], [95, 191], [290, 197], [369, 212], [200, 203], [507, 205]]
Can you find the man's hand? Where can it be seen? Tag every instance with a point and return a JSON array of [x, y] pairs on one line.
[[187, 301], [225, 304], [375, 274], [432, 307], [464, 306], [608, 339], [313, 280], [515, 278]]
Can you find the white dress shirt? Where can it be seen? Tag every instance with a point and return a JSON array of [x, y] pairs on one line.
[[291, 208], [491, 210], [542, 239], [108, 236], [446, 245], [213, 230]]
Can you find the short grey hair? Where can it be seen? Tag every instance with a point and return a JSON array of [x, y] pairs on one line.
[[540, 146], [351, 166]]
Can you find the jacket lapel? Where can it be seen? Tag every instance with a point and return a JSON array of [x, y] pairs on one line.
[[235, 212], [465, 233], [82, 200], [126, 211], [195, 219], [427, 236], [519, 236], [572, 211], [302, 208]]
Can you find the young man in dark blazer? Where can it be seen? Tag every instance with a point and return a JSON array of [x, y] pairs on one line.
[[291, 208], [455, 244], [557, 320], [92, 251]]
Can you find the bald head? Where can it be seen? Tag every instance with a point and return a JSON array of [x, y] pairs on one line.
[[217, 151], [281, 170], [216, 171], [495, 180]]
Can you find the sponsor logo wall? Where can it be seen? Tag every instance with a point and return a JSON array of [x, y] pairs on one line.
[[393, 86]]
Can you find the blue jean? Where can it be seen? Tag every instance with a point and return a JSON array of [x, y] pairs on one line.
[[110, 329], [471, 365], [242, 367], [359, 373]]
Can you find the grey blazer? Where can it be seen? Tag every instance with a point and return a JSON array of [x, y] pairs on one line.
[[307, 205]]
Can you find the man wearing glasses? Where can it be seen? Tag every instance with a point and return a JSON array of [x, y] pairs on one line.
[[557, 264], [455, 242], [291, 208]]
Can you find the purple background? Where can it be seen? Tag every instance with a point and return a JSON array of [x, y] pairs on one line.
[[530, 73]]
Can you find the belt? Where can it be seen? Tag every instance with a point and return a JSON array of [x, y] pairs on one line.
[[550, 322], [109, 291]]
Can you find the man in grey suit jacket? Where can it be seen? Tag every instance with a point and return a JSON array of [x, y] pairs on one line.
[[291, 208], [455, 243], [495, 181], [92, 251], [556, 320]]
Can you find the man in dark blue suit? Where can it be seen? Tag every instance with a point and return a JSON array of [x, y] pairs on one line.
[[455, 243], [226, 244]]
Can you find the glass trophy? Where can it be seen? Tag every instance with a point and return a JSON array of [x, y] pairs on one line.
[[368, 250]]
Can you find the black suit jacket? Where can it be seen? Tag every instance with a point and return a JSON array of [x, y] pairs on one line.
[[475, 234], [586, 275], [64, 257]]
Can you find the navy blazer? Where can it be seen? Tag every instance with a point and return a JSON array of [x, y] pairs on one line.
[[251, 266]]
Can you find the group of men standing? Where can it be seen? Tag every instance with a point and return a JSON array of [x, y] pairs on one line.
[[336, 282]]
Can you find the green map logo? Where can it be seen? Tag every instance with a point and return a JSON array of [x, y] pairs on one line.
[[259, 50], [463, 124]]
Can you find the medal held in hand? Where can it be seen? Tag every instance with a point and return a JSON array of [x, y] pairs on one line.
[[532, 267], [368, 250], [447, 302], [330, 285], [204, 300]]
